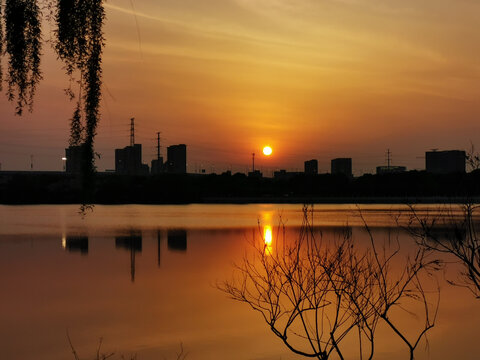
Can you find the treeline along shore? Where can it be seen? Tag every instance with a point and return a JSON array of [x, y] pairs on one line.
[[109, 188]]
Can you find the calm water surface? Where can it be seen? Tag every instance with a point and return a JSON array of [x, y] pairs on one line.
[[143, 278]]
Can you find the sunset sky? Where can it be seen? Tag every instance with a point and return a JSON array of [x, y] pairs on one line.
[[314, 79]]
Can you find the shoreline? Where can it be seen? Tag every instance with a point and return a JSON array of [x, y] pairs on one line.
[[406, 188], [394, 200]]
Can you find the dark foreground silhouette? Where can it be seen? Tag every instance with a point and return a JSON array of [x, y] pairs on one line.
[[413, 186]]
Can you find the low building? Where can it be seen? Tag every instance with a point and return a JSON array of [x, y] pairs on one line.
[[390, 169], [445, 162], [285, 175], [311, 167], [342, 166], [255, 174]]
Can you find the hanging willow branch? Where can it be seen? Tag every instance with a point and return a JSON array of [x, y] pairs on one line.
[[76, 128], [23, 46], [93, 74], [72, 50], [1, 45], [80, 45]]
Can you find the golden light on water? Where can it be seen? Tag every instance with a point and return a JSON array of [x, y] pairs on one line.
[[267, 151], [268, 239]]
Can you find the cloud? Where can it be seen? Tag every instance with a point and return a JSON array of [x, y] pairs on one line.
[[205, 30]]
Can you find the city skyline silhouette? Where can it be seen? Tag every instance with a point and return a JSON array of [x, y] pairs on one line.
[[227, 82]]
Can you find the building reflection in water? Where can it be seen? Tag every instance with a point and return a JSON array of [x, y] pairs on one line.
[[177, 240], [133, 244], [75, 244], [456, 233]]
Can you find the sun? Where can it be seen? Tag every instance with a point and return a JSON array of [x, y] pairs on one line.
[[267, 151]]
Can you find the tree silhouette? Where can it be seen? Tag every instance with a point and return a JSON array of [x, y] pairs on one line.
[[453, 233], [79, 44], [472, 158], [23, 46], [313, 293]]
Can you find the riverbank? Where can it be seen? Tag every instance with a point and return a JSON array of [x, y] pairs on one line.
[[107, 188]]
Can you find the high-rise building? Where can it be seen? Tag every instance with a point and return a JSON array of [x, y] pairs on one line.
[[342, 166], [311, 167], [444, 162], [177, 159], [128, 161]]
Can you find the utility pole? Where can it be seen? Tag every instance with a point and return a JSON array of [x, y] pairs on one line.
[[158, 145], [253, 162], [31, 162], [388, 158], [132, 131]]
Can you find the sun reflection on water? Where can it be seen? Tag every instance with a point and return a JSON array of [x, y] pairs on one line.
[[268, 239]]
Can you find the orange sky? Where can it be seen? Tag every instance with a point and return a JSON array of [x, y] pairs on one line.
[[312, 78]]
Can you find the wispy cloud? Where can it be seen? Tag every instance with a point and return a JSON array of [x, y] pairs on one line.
[[213, 31]]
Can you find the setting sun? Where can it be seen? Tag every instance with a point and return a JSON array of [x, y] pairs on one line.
[[267, 151]]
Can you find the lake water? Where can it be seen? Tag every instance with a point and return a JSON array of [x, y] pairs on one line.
[[143, 279]]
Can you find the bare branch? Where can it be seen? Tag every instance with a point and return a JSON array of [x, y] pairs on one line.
[[313, 293]]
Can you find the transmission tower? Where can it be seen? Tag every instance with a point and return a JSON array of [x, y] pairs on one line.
[[158, 145], [132, 131]]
